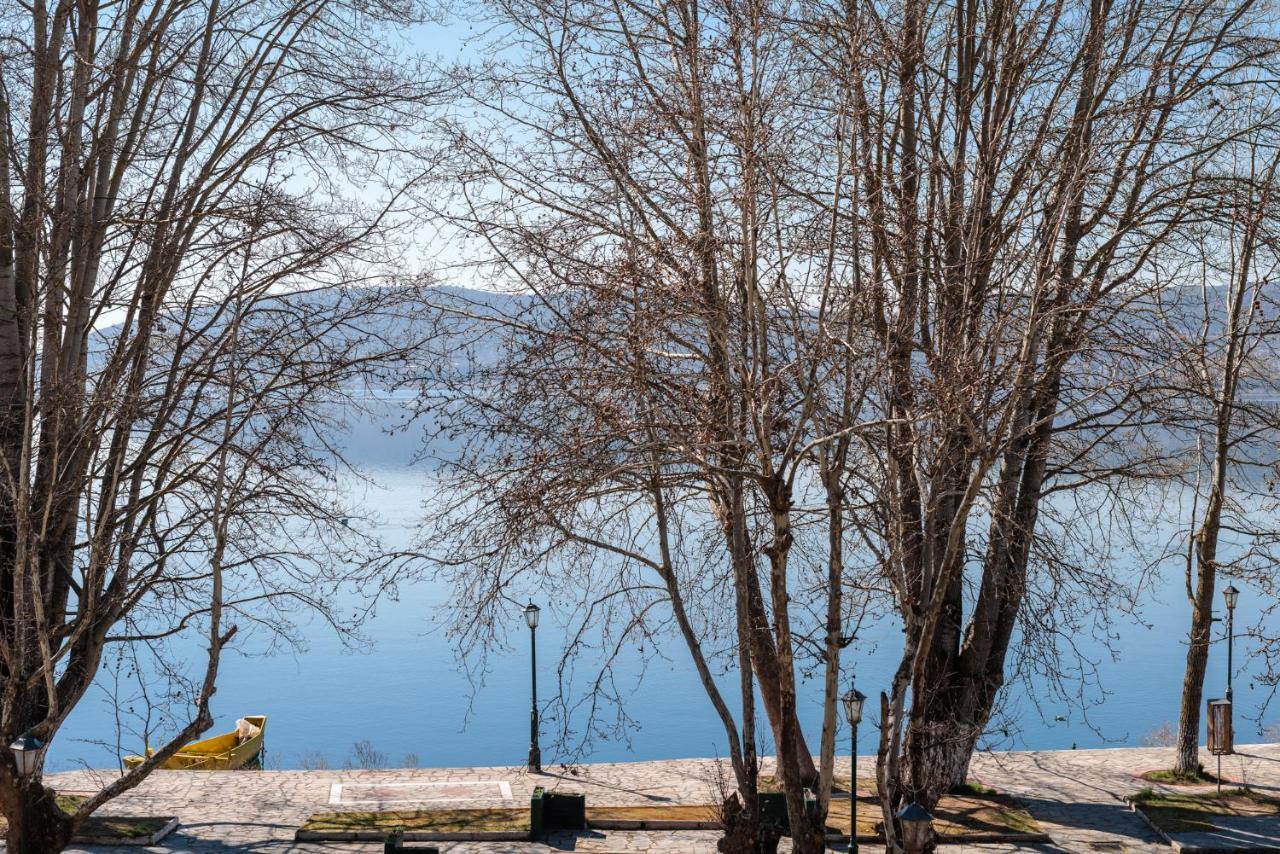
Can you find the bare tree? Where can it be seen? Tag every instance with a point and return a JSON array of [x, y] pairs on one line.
[[192, 197], [1023, 169], [846, 273], [678, 383], [1220, 334]]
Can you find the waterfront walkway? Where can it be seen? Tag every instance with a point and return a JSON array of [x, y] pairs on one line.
[[1075, 795]]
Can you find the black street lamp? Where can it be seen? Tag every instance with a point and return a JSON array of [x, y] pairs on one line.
[[1231, 595], [853, 700], [531, 612]]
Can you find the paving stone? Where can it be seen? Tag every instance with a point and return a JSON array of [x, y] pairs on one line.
[[1076, 795]]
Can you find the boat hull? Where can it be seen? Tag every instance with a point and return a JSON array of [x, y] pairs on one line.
[[219, 753]]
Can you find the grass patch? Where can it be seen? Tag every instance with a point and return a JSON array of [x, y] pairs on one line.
[[1169, 777], [971, 811], [771, 785], [70, 803], [869, 816], [980, 812], [958, 817], [655, 812], [114, 827], [1176, 812], [106, 826], [969, 787], [962, 817], [435, 821]]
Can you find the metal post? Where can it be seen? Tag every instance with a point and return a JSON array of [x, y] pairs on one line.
[[1231, 640], [853, 787], [535, 755]]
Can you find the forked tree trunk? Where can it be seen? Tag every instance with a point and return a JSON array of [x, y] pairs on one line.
[[37, 825], [938, 753]]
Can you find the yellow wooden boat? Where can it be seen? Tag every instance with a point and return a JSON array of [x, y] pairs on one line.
[[224, 752]]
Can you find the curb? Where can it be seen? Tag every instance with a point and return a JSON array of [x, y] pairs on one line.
[[412, 836], [137, 841], [1183, 848], [996, 839], [1151, 825], [973, 839], [650, 824]]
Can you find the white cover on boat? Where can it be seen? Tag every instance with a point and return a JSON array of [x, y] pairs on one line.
[[246, 731]]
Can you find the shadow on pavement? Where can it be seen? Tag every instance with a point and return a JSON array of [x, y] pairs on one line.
[[597, 783]]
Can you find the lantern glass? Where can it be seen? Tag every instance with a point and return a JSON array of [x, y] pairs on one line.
[[917, 826], [1231, 594], [531, 612], [853, 702], [26, 753]]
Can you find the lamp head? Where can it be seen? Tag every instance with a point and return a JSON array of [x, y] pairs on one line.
[[531, 612], [917, 826], [853, 700], [26, 753], [1231, 595]]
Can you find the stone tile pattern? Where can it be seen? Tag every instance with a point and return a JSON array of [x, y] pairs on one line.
[[1076, 795]]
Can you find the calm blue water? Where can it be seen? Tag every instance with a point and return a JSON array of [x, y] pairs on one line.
[[406, 694]]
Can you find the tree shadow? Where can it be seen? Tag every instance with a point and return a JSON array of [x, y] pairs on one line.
[[612, 786], [1257, 756]]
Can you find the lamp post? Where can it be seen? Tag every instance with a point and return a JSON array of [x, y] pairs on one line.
[[853, 700], [917, 827], [531, 612], [26, 754], [1231, 595]]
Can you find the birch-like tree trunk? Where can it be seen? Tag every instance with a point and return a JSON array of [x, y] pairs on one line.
[[1234, 338]]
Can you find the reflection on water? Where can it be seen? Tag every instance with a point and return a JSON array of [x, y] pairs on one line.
[[408, 701]]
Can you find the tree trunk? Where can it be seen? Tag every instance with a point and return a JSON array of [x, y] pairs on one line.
[[748, 784], [743, 833], [889, 751], [764, 657], [831, 657], [795, 762], [1188, 744], [1206, 538], [37, 825], [938, 751], [1187, 760]]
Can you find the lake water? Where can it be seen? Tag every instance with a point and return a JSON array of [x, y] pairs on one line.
[[406, 696]]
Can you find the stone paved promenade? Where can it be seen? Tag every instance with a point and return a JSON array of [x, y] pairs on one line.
[[1076, 796]]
